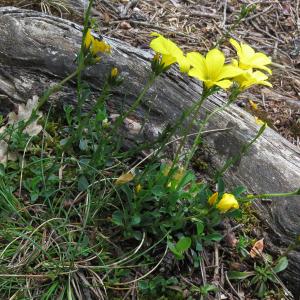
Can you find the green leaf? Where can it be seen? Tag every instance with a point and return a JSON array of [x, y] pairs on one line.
[[262, 289], [235, 275], [83, 144], [186, 179], [220, 185], [239, 190], [117, 218], [281, 264], [183, 244], [200, 228], [158, 191], [173, 249], [215, 237], [136, 219], [2, 170], [82, 183]]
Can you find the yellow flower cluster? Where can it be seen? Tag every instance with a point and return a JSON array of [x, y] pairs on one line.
[[211, 68]]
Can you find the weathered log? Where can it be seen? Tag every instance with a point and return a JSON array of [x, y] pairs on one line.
[[38, 50]]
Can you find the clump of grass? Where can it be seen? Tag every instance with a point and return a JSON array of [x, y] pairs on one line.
[[48, 6], [78, 223]]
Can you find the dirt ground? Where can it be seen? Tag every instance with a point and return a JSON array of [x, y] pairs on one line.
[[272, 27]]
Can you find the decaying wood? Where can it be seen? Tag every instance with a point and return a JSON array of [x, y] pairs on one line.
[[37, 51]]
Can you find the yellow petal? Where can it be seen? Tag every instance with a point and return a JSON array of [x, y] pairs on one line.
[[224, 84], [167, 60], [213, 198], [183, 63], [229, 71], [124, 178], [197, 73], [88, 39], [165, 46], [214, 62], [100, 46], [247, 51], [236, 45], [227, 202], [197, 60]]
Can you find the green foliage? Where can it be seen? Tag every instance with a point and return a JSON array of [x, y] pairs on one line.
[[262, 276]]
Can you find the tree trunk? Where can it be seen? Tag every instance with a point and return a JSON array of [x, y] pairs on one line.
[[38, 50]]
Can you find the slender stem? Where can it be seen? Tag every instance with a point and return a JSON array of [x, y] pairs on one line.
[[83, 121], [273, 195], [195, 110], [81, 59], [243, 151], [136, 103], [55, 89], [45, 97], [199, 134]]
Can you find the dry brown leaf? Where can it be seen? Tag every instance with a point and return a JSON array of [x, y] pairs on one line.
[[24, 113], [4, 154], [257, 248], [124, 178]]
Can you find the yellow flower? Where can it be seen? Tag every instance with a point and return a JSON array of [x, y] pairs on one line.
[[260, 122], [211, 69], [250, 78], [170, 52], [249, 59], [227, 203], [213, 198], [95, 45]]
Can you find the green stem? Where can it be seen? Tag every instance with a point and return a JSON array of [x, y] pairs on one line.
[[199, 134], [273, 195], [45, 97], [55, 89], [81, 59], [194, 111], [83, 121], [243, 151], [136, 103]]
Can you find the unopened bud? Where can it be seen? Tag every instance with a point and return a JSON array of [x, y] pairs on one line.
[[114, 72]]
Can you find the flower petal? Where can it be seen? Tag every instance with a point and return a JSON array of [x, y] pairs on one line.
[[165, 46], [247, 51], [167, 60], [196, 60], [236, 46], [197, 73], [224, 84], [183, 63], [227, 202], [214, 62], [229, 71]]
